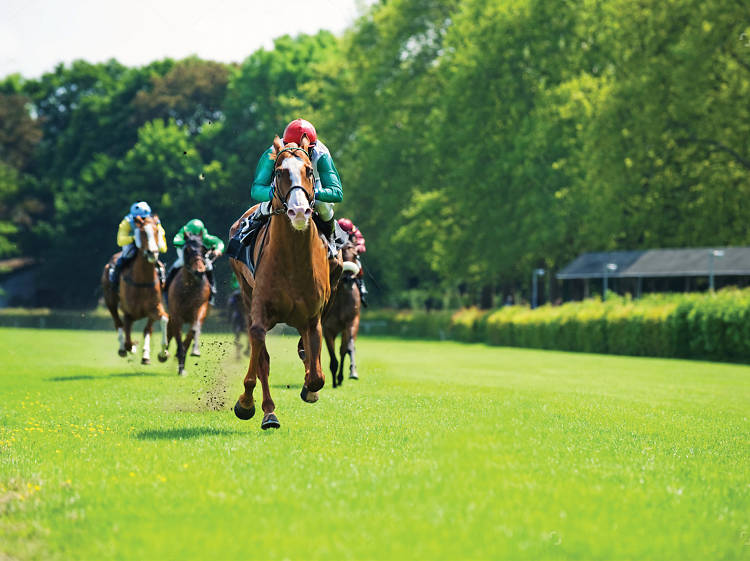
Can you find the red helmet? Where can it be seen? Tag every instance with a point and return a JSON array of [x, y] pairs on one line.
[[297, 128], [346, 224]]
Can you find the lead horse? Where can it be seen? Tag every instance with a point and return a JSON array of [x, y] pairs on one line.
[[139, 292], [291, 282]]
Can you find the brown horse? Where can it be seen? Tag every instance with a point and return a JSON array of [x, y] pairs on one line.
[[139, 294], [291, 282], [189, 294], [342, 316]]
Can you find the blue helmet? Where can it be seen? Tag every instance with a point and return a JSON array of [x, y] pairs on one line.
[[140, 209]]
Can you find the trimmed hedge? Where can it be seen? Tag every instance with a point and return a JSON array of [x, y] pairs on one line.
[[701, 326]]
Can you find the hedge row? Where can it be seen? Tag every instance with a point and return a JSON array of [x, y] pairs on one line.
[[702, 326]]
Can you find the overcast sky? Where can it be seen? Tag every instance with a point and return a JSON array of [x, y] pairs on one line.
[[35, 35]]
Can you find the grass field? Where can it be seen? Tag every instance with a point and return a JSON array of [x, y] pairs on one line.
[[440, 451]]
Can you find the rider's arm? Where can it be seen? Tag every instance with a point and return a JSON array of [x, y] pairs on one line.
[[213, 243], [261, 189], [124, 233], [162, 239], [179, 238], [329, 190]]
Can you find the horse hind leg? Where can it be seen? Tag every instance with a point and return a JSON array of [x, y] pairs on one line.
[[334, 363], [343, 350], [146, 357]]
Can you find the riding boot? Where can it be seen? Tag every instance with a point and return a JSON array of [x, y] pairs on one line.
[[114, 274], [246, 233], [212, 283], [161, 269], [362, 291], [333, 235], [170, 277]]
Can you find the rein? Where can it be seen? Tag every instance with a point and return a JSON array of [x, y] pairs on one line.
[[128, 279], [277, 195]]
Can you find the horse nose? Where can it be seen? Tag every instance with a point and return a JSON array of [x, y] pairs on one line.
[[299, 213]]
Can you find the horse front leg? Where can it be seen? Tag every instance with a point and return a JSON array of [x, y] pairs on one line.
[[314, 377], [164, 325], [146, 356], [343, 351], [129, 343], [259, 367], [181, 348], [197, 328], [351, 350]]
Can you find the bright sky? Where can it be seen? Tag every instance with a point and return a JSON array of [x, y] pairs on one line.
[[35, 35]]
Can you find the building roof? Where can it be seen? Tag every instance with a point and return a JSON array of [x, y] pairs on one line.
[[651, 263]]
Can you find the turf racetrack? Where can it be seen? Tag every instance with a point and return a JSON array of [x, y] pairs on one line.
[[440, 451]]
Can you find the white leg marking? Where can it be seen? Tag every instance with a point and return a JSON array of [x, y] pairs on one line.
[[196, 338], [121, 337], [164, 321], [147, 345]]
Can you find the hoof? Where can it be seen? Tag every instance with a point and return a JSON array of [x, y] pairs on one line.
[[182, 372], [308, 396], [270, 422], [163, 357], [353, 376], [133, 349], [195, 353], [246, 414], [145, 360], [122, 352]]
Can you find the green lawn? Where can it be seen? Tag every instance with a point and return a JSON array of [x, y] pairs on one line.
[[440, 451]]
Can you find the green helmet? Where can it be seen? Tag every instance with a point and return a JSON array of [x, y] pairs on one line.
[[195, 226]]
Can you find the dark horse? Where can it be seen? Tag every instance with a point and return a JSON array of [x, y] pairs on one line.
[[189, 294], [342, 316], [291, 282], [139, 294]]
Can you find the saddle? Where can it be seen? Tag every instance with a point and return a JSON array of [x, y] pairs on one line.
[[242, 245]]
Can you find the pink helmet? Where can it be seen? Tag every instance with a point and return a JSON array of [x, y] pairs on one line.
[[346, 225], [298, 128]]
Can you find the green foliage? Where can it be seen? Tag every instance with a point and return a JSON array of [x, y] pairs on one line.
[[476, 140]]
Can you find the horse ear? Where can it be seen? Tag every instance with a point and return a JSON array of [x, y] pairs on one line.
[[305, 143], [277, 144]]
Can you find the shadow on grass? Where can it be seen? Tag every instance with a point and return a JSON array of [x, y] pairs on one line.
[[71, 378], [131, 374], [185, 433]]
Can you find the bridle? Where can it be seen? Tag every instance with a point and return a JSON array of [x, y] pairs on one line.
[[277, 194]]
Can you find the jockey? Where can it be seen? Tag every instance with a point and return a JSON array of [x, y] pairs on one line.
[[328, 188], [356, 237], [213, 244], [126, 240]]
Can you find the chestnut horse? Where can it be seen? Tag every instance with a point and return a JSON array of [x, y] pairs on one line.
[[342, 316], [189, 294], [291, 282], [139, 294]]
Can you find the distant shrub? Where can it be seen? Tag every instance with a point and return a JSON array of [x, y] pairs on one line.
[[706, 326]]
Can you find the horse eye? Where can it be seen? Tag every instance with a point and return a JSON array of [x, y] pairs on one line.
[[309, 172]]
